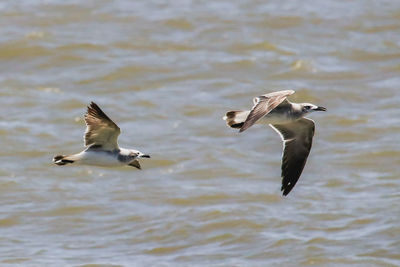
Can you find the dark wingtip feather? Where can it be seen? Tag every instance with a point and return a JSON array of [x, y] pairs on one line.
[[93, 107], [95, 111], [236, 125], [286, 190], [288, 186]]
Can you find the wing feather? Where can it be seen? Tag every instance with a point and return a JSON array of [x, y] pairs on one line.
[[297, 138], [100, 129], [263, 105]]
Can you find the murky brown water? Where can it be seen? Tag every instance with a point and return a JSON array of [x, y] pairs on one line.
[[166, 72]]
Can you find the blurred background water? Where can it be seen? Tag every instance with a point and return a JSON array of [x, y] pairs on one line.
[[166, 72]]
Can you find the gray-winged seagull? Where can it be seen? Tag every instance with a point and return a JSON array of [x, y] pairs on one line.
[[101, 144], [287, 119]]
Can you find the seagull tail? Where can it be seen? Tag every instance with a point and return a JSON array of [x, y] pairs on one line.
[[235, 119], [62, 160]]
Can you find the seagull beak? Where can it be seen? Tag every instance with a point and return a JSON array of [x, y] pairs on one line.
[[145, 156], [320, 109]]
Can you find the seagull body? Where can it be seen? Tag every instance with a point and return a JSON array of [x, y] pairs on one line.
[[101, 144], [287, 119]]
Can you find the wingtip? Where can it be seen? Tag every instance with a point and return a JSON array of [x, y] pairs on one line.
[[286, 190], [243, 128], [94, 108], [92, 104]]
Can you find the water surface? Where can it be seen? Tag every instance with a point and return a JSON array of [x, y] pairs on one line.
[[166, 72]]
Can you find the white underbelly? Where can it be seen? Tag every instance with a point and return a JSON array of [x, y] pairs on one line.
[[99, 159]]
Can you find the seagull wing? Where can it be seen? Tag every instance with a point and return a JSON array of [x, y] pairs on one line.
[[297, 139], [101, 131], [135, 164], [263, 105]]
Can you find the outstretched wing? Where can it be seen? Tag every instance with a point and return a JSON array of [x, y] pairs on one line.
[[101, 131], [263, 105], [297, 139]]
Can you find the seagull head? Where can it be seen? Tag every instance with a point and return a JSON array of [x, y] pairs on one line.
[[308, 108], [138, 154]]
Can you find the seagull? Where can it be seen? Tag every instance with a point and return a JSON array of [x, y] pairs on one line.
[[101, 144], [287, 119]]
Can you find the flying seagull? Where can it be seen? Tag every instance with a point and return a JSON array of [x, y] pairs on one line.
[[287, 119], [101, 144]]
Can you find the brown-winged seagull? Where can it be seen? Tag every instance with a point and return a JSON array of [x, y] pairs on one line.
[[287, 119], [101, 144]]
